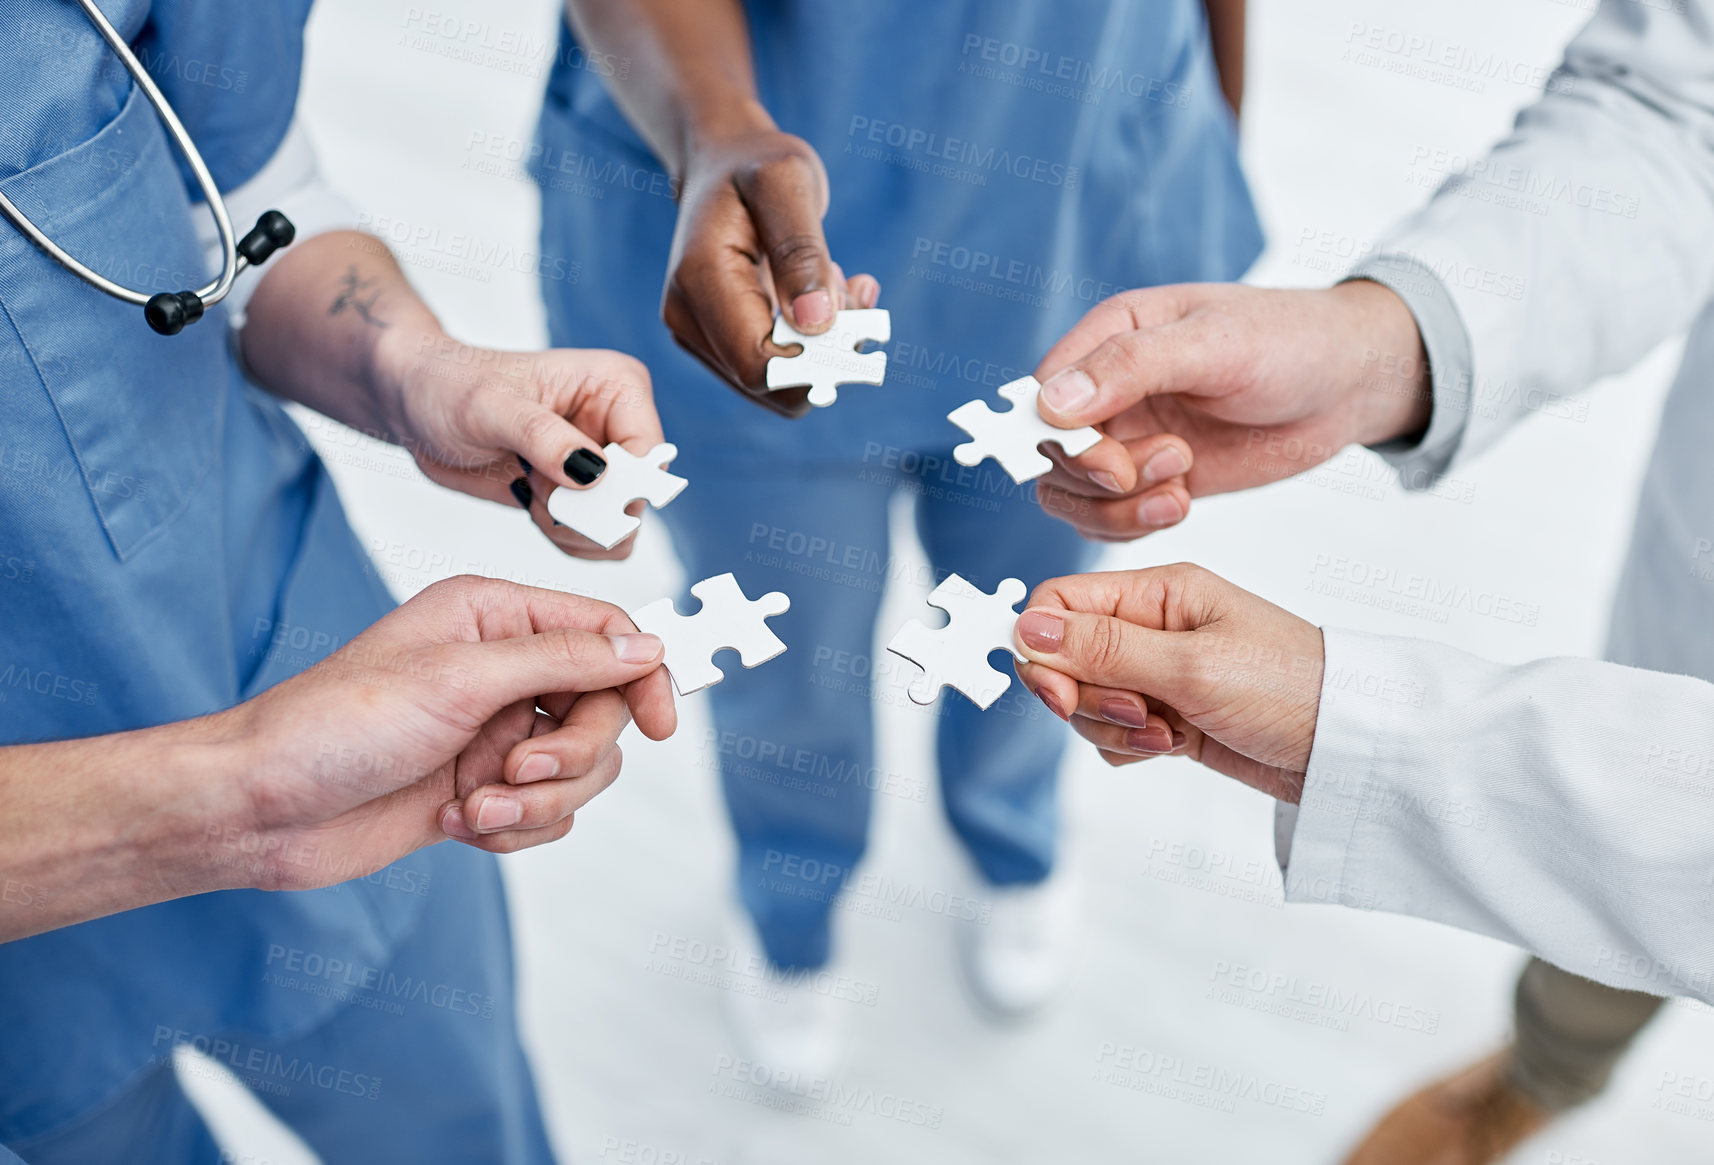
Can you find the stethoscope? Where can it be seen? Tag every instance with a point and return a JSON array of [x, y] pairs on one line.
[[169, 312]]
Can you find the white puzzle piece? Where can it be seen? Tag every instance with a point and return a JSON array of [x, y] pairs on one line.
[[727, 620], [832, 358], [598, 513], [956, 655], [1011, 437]]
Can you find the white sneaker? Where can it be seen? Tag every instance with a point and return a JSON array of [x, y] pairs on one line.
[[1020, 957], [787, 1022]]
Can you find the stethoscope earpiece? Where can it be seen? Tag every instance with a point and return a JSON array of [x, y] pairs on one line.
[[169, 312]]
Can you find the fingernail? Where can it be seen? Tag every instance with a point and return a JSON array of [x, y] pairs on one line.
[[1164, 466], [874, 296], [1046, 697], [636, 648], [527, 467], [1068, 391], [1160, 510], [538, 766], [1156, 739], [499, 812], [1126, 712], [1105, 480], [585, 465], [812, 308], [522, 491], [452, 823], [1042, 631], [1179, 739]]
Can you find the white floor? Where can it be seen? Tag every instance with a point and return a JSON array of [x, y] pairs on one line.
[[627, 1034]]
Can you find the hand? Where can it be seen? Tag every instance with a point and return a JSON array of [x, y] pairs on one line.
[[1208, 387], [1174, 659], [480, 710], [749, 246], [511, 427]]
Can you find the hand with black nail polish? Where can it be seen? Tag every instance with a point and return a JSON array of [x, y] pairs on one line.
[[473, 418], [1175, 660]]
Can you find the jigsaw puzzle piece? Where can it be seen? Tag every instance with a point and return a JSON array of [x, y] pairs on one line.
[[956, 655], [598, 513], [1011, 437], [832, 358], [727, 620]]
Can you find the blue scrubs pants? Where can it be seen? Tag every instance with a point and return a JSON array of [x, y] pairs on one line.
[[796, 739], [423, 1065]]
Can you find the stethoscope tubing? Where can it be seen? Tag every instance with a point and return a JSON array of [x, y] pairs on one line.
[[232, 263]]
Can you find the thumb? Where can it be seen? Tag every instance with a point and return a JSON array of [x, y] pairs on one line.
[[555, 447], [1126, 369], [504, 671], [1111, 653], [787, 199]]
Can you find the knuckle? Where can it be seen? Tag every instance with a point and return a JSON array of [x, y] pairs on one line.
[[1103, 646], [797, 254], [580, 755], [571, 647], [541, 427]]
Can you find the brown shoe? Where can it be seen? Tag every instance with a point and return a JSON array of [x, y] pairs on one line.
[[1473, 1118]]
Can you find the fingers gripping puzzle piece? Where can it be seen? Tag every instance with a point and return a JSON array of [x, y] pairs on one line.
[[832, 358], [598, 513], [1011, 437], [956, 655], [727, 620]]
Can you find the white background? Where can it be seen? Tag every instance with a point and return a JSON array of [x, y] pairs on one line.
[[627, 1054]]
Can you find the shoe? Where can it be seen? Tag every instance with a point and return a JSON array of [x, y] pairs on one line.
[[1473, 1118], [1019, 954], [789, 1023]]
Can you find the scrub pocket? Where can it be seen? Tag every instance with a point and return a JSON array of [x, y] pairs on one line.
[[143, 437]]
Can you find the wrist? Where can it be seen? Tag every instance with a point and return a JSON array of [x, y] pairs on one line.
[[397, 362], [709, 129], [1391, 392], [198, 811]]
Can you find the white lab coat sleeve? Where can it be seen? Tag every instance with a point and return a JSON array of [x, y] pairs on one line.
[[291, 183], [1565, 806], [1580, 241]]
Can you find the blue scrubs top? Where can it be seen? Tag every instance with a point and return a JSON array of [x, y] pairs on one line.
[[169, 544], [1000, 167]]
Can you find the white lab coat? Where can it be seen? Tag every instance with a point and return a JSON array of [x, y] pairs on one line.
[[1566, 805]]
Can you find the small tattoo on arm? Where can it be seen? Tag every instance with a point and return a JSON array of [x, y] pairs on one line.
[[360, 295]]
